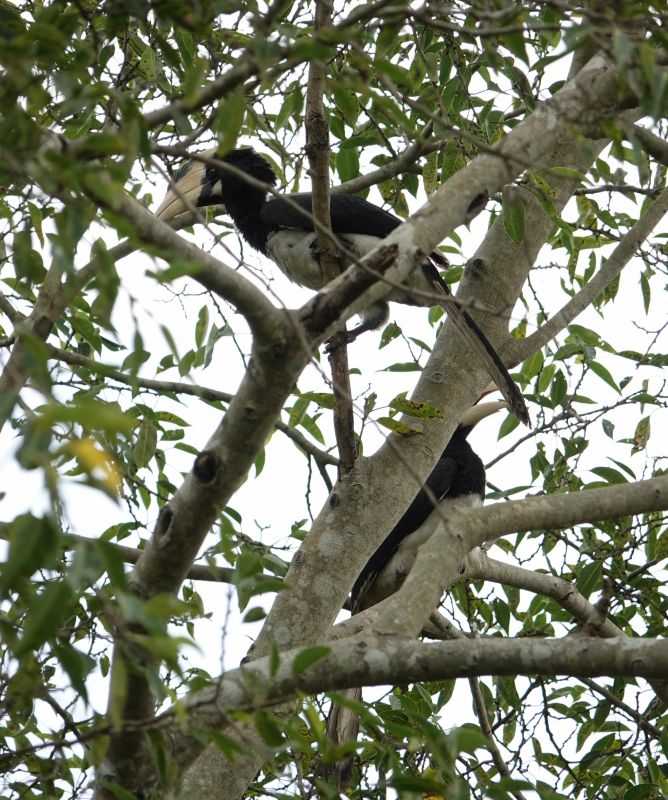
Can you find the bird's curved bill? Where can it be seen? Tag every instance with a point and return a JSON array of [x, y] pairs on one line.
[[184, 193], [480, 411]]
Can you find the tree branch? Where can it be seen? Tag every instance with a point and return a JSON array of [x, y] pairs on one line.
[[375, 661], [653, 144], [449, 381], [317, 150]]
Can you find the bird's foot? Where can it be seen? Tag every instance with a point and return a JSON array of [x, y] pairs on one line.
[[339, 339], [318, 252]]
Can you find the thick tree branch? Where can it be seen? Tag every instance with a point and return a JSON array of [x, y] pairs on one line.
[[438, 562], [653, 144], [375, 661], [371, 485]]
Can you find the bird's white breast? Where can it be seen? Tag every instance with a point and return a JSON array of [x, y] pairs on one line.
[[295, 252]]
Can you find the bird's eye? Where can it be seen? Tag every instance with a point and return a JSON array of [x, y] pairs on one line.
[[211, 173]]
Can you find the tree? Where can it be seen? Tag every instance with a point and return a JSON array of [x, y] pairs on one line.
[[528, 138]]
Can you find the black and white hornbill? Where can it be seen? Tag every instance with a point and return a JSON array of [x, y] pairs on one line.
[[457, 481], [282, 229]]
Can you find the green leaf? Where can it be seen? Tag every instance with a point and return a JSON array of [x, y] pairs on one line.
[[254, 614], [91, 414], [274, 660], [641, 435], [609, 474], [347, 104], [508, 425], [310, 655], [407, 366], [413, 409], [32, 544], [202, 325], [323, 399], [145, 444], [646, 291], [588, 578], [513, 214], [390, 332], [76, 664], [268, 729], [604, 375], [347, 163], [398, 427], [416, 784], [229, 119], [567, 172], [45, 615], [27, 261]]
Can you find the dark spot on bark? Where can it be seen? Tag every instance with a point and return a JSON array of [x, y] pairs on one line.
[[278, 349], [43, 327], [164, 521], [206, 467], [476, 267], [250, 412], [477, 204], [333, 500]]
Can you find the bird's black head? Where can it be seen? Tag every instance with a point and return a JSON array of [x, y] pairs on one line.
[[252, 163], [198, 184]]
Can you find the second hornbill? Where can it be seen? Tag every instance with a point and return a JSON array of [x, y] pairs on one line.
[[457, 481], [282, 228]]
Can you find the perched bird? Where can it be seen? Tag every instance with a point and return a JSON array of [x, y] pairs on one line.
[[457, 481], [282, 229]]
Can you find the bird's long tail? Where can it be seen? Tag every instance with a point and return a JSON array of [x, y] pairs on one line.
[[481, 346], [342, 726]]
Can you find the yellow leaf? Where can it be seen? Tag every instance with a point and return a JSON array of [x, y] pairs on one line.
[[96, 462]]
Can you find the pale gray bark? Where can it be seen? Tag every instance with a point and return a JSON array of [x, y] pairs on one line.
[[380, 660]]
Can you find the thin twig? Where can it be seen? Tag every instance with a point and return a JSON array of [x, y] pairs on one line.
[[317, 150]]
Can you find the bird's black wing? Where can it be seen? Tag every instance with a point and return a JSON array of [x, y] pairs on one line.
[[439, 482], [349, 214]]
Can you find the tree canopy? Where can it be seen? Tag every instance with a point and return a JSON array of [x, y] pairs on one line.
[[185, 471]]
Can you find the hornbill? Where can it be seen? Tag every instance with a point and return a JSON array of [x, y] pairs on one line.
[[457, 481], [282, 228]]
